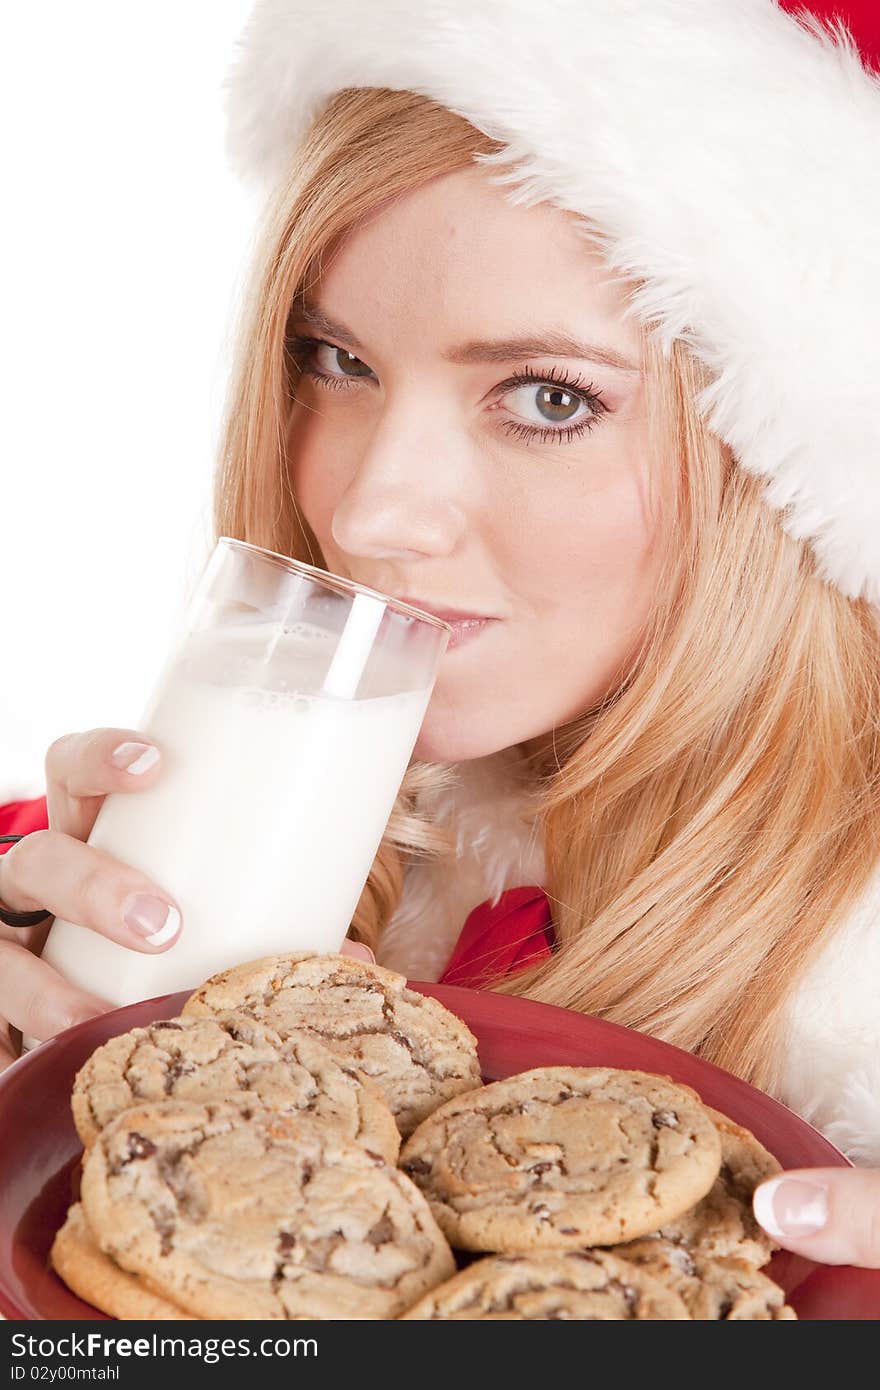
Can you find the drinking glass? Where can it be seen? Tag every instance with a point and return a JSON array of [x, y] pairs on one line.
[[286, 714]]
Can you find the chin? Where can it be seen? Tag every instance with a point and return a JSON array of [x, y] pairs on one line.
[[453, 741]]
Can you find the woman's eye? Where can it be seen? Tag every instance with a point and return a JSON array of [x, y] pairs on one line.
[[548, 404], [336, 361]]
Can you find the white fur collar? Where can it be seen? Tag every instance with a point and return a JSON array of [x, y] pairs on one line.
[[830, 1072], [497, 847]]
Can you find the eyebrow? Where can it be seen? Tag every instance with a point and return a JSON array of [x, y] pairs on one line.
[[552, 343]]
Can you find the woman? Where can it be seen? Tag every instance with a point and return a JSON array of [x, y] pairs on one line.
[[586, 361]]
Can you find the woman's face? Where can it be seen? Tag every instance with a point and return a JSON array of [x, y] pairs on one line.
[[426, 470]]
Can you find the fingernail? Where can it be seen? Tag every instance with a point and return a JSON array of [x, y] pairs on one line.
[[789, 1207], [151, 918], [135, 757], [359, 951]]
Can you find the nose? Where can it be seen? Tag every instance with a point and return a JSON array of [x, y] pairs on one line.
[[408, 495]]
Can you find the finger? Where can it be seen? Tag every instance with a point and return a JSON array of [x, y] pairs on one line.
[[87, 886], [831, 1215], [8, 1053], [37, 1000], [358, 950], [34, 938], [82, 768]]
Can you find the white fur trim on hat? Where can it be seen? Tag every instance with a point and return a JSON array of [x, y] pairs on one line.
[[727, 154]]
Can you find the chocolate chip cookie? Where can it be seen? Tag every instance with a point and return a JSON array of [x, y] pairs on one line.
[[712, 1290], [218, 1057], [563, 1156], [93, 1276], [559, 1284], [723, 1225], [416, 1051], [236, 1211]]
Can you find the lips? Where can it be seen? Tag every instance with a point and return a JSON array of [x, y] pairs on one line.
[[465, 630], [446, 615]]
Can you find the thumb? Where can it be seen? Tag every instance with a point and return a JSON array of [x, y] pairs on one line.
[[831, 1215], [358, 950]]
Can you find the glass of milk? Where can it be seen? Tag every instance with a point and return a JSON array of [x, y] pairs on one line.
[[286, 714]]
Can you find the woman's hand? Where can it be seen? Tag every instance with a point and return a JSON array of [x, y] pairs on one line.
[[831, 1215], [55, 869]]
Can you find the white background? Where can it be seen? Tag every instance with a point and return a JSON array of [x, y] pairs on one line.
[[125, 240]]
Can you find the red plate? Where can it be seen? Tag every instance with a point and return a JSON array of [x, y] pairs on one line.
[[40, 1148]]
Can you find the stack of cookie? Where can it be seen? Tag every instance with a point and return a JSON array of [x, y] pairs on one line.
[[240, 1160], [243, 1161], [602, 1193]]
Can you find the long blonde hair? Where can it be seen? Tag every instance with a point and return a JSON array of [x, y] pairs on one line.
[[708, 825]]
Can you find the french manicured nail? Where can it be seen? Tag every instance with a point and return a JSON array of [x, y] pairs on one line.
[[135, 757], [791, 1207], [156, 921]]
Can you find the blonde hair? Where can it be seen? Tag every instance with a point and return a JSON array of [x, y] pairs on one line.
[[709, 824]]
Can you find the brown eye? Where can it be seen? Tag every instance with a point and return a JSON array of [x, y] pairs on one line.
[[337, 361], [548, 403], [551, 408], [558, 406]]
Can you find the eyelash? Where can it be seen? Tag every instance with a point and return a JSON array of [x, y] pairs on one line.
[[301, 348]]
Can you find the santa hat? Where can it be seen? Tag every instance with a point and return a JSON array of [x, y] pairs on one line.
[[727, 152]]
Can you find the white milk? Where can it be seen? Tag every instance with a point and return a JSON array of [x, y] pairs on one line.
[[267, 814]]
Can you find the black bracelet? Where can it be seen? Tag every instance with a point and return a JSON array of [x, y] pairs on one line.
[[19, 919]]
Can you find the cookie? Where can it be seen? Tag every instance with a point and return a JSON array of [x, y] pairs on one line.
[[236, 1211], [416, 1051], [563, 1156], [723, 1224], [92, 1275], [584, 1284], [215, 1058], [712, 1290]]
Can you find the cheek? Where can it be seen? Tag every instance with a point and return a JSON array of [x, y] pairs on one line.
[[590, 573], [316, 472], [591, 547]]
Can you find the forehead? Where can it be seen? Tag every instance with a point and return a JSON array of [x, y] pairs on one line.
[[457, 254]]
